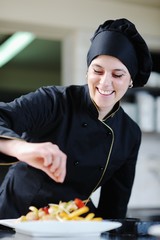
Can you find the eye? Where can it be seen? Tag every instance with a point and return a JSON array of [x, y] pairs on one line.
[[117, 75], [97, 71]]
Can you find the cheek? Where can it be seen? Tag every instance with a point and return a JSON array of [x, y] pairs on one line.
[[91, 80], [121, 84], [92, 86]]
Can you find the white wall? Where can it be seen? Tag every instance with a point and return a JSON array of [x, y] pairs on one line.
[[146, 189]]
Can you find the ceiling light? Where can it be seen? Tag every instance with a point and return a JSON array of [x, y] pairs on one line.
[[13, 45]]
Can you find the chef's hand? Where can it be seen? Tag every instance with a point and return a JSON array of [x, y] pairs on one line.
[[45, 156]]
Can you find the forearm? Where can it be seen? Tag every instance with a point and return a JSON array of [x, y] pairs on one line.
[[10, 146]]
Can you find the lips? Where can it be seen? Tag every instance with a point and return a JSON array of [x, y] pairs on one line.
[[105, 92]]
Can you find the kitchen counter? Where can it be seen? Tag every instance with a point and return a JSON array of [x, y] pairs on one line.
[[6, 235]]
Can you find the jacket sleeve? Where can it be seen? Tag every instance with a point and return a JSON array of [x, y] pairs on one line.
[[25, 115], [115, 193]]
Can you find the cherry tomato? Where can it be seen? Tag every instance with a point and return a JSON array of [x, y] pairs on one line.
[[45, 209], [79, 202]]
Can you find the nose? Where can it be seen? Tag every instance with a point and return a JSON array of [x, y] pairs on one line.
[[106, 79]]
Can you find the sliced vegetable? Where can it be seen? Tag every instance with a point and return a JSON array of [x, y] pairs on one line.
[[79, 202], [72, 210]]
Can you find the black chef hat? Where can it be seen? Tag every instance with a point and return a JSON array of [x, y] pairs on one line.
[[120, 38]]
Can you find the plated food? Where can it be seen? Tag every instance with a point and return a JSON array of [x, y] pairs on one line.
[[64, 229], [66, 219], [64, 211]]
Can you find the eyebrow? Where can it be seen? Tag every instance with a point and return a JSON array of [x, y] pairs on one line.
[[120, 70], [116, 69], [96, 65]]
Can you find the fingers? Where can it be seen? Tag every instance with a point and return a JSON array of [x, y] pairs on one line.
[[55, 164], [56, 172], [59, 170], [45, 156], [47, 161]]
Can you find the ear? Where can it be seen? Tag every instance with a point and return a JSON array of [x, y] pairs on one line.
[[131, 84]]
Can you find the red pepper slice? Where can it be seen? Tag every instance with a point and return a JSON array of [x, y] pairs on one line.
[[45, 209], [79, 202]]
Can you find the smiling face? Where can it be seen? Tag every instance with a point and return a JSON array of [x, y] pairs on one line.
[[108, 81]]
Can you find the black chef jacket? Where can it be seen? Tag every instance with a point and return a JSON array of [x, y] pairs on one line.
[[99, 153]]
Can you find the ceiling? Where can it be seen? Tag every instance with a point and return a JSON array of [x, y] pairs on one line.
[[40, 53], [152, 3], [38, 64]]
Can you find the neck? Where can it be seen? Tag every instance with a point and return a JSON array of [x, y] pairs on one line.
[[103, 113]]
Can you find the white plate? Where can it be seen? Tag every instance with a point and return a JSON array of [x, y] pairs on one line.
[[154, 230], [60, 229]]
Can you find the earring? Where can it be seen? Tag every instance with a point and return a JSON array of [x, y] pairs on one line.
[[131, 84]]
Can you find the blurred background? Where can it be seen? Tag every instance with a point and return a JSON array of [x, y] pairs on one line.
[[55, 54]]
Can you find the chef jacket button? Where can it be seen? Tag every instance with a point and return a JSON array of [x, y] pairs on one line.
[[101, 168], [108, 133], [76, 163], [84, 124]]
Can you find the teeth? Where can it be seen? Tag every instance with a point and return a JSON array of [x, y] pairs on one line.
[[105, 92]]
